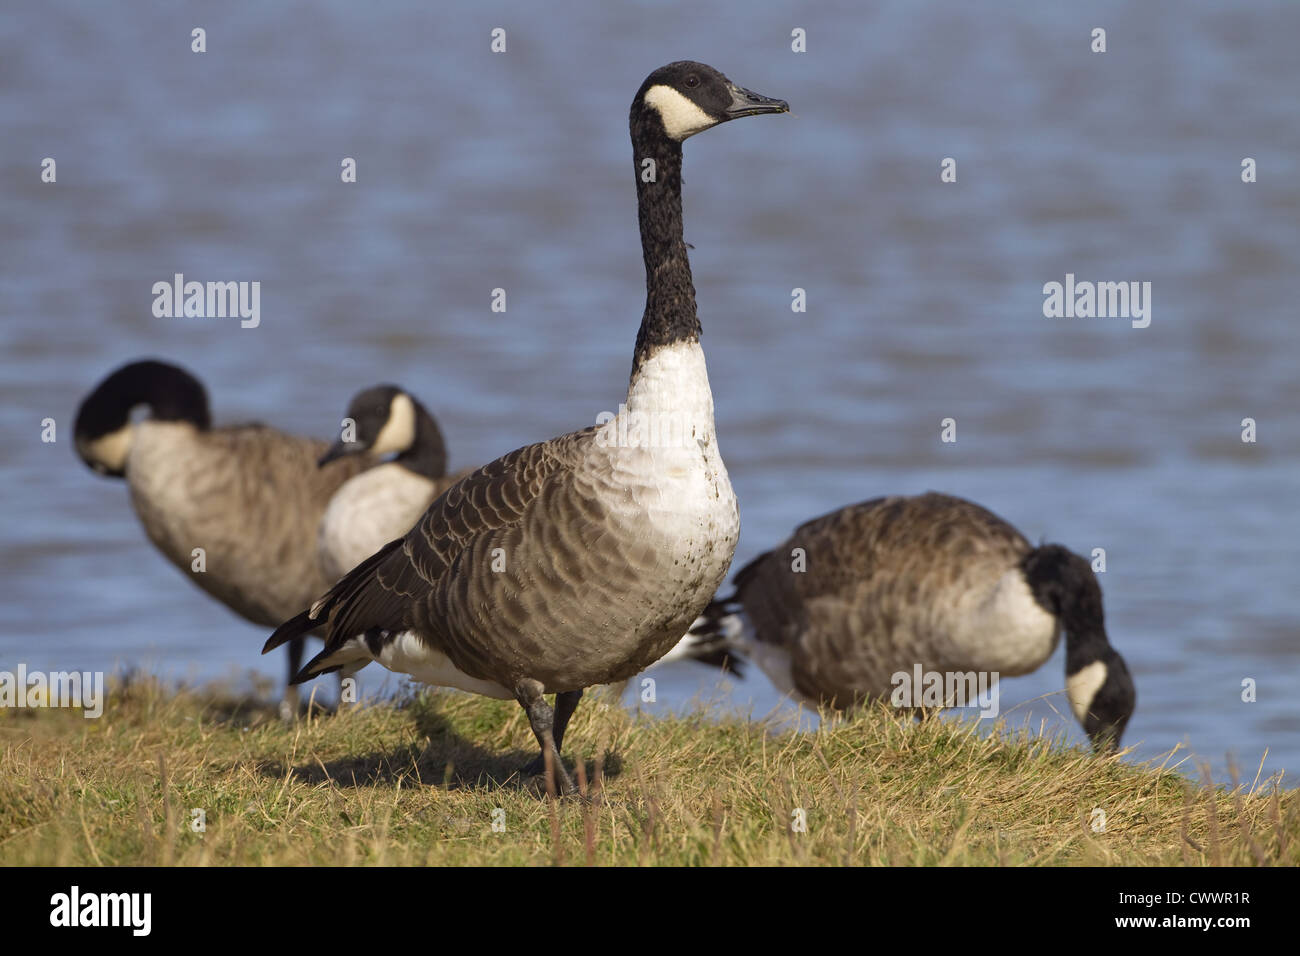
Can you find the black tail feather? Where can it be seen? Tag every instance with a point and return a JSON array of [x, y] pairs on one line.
[[711, 645], [319, 613], [295, 627], [306, 673], [329, 660]]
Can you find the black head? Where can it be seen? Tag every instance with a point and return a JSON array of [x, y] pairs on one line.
[[1097, 681], [685, 98], [103, 428], [388, 421], [1113, 699]]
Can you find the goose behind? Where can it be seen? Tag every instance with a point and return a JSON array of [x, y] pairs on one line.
[[384, 502], [249, 496], [579, 560], [932, 580]]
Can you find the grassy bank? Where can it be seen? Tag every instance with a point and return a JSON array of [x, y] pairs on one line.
[[422, 781]]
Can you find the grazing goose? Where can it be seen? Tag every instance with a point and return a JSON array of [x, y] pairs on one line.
[[582, 559], [250, 496], [383, 502], [931, 580]]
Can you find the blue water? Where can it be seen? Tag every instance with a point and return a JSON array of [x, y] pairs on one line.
[[480, 170]]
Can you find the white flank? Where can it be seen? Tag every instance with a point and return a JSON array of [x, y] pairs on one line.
[[738, 633], [407, 654], [774, 661], [404, 653]]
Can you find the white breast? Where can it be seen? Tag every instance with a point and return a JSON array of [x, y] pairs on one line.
[[662, 451], [368, 511], [1004, 630]]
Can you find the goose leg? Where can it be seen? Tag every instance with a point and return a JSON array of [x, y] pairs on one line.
[[542, 718], [289, 702], [565, 705]]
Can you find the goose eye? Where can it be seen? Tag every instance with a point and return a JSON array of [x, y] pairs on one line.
[[692, 81]]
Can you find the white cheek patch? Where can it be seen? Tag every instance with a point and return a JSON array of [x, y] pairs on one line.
[[111, 450], [1082, 687], [680, 116], [398, 433]]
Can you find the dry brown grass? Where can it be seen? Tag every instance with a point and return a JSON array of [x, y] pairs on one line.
[[418, 782]]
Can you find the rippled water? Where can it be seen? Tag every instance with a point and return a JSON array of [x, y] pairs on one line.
[[479, 171]]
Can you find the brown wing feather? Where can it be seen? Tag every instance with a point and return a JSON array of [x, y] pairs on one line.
[[875, 574], [396, 592], [253, 497]]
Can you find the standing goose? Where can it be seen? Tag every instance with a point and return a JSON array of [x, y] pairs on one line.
[[383, 502], [250, 496], [931, 580], [582, 559]]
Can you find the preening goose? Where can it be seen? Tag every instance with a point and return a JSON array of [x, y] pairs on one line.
[[582, 559], [384, 502], [931, 580], [250, 496]]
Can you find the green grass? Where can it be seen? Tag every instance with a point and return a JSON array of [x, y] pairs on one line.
[[417, 782]]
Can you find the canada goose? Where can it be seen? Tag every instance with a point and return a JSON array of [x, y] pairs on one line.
[[582, 559], [929, 580], [250, 496], [384, 502]]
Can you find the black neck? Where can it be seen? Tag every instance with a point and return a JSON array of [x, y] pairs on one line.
[[171, 393], [670, 294], [427, 455], [1064, 584], [1085, 643]]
